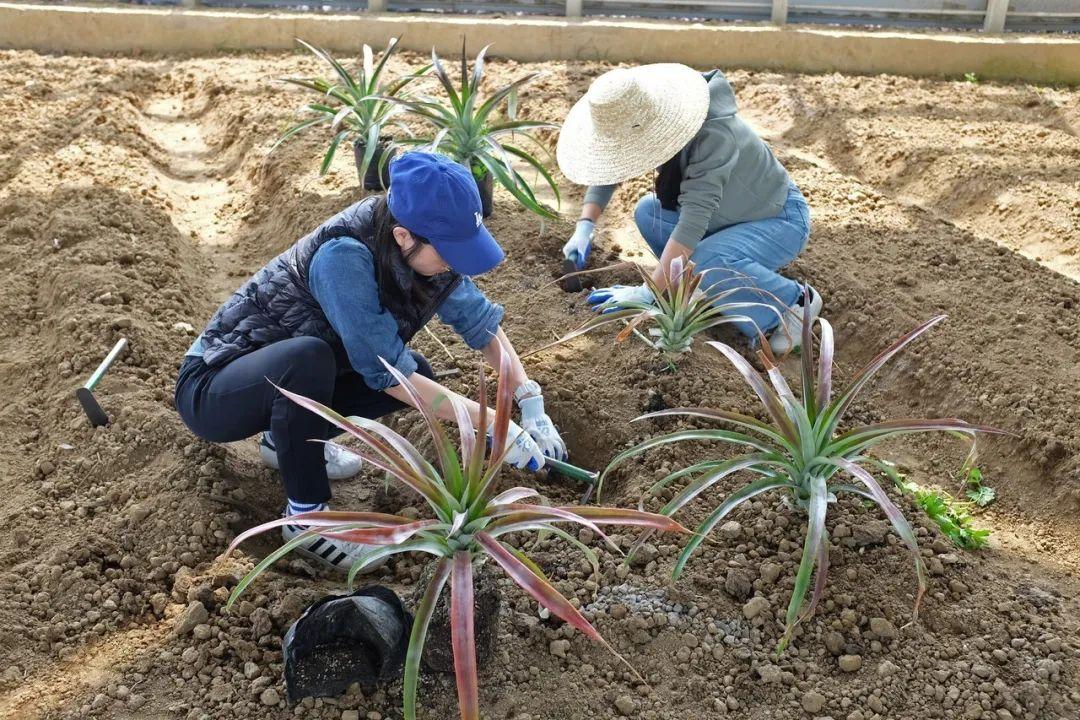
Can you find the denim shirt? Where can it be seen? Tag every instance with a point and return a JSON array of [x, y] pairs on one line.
[[342, 279]]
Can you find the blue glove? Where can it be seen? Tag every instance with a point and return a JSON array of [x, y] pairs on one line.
[[578, 246], [539, 426], [602, 299]]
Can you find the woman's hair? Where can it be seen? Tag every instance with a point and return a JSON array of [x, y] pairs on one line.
[[399, 285]]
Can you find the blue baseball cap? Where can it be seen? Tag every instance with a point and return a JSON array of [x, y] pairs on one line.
[[436, 198]]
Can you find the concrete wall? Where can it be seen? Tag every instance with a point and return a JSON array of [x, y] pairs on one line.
[[125, 29]]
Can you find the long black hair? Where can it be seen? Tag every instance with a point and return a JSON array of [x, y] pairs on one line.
[[399, 285]]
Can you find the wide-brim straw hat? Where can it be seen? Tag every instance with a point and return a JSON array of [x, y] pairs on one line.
[[630, 121]]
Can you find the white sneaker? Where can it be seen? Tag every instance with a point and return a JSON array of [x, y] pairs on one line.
[[329, 552], [788, 336], [340, 463]]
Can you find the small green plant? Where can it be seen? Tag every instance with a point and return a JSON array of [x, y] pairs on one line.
[[978, 493], [970, 77], [801, 453], [353, 106], [470, 521], [951, 515], [681, 312], [467, 129]]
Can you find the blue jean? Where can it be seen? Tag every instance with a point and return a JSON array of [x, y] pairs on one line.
[[745, 255]]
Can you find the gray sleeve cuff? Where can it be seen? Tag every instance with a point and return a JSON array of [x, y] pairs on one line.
[[599, 194]]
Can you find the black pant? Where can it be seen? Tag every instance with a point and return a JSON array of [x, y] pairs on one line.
[[236, 401]]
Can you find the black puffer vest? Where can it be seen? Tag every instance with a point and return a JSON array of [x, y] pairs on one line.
[[276, 303]]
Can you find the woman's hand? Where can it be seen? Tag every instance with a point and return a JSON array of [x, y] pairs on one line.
[[540, 427]]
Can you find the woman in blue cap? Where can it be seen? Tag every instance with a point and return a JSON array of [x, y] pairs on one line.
[[318, 319]]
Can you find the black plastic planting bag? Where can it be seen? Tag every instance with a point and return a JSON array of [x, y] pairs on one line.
[[343, 639]]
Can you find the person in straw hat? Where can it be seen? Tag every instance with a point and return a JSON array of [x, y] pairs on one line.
[[721, 198]]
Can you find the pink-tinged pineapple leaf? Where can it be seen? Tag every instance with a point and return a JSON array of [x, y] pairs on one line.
[[809, 396], [899, 522], [399, 443], [465, 428], [384, 457], [324, 518], [623, 516], [513, 495], [476, 459], [424, 610], [819, 502], [443, 448], [746, 421], [820, 576], [836, 411], [825, 365], [379, 536], [544, 593], [757, 384], [463, 636], [543, 513], [503, 407], [537, 587]]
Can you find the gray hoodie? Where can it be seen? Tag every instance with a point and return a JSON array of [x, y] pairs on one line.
[[729, 174]]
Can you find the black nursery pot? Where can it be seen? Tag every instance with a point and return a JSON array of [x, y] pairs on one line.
[[438, 651], [372, 180], [487, 189], [342, 639]]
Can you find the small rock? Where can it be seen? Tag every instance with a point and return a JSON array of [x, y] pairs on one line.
[[770, 674], [625, 704], [251, 670], [870, 533], [850, 663], [559, 647], [138, 513], [983, 671], [202, 632], [834, 643], [618, 611], [813, 702], [350, 715], [887, 669], [158, 602], [196, 614], [183, 327], [738, 584], [731, 529], [770, 571], [754, 607], [882, 628], [269, 696]]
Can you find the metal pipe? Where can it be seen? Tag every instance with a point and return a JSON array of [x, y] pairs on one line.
[[572, 471], [104, 366]]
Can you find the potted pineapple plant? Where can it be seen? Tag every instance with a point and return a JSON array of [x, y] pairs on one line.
[[467, 127], [356, 107]]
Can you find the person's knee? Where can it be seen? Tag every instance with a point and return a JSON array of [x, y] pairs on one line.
[[646, 212], [423, 367], [311, 365]]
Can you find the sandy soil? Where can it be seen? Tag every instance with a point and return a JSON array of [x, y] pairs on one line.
[[135, 194]]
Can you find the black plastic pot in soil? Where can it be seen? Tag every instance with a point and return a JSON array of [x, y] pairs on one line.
[[487, 189], [342, 639], [371, 179], [438, 651]]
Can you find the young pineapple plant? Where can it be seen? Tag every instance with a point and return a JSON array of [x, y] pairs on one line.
[[679, 313], [801, 452], [471, 520], [358, 106], [467, 128]]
